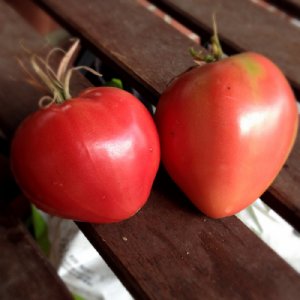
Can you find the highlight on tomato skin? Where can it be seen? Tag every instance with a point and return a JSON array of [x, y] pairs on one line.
[[226, 128], [92, 158]]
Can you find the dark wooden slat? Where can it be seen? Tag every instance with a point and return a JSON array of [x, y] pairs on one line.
[[17, 97], [188, 256], [25, 272], [283, 196], [10, 192], [14, 93], [8, 188], [284, 193], [169, 250], [126, 46], [243, 26], [295, 2], [165, 57], [292, 7], [4, 168]]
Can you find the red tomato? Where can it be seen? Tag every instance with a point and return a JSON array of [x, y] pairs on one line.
[[226, 129], [93, 158]]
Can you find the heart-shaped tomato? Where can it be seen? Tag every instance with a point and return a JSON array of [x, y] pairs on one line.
[[226, 129], [93, 158]]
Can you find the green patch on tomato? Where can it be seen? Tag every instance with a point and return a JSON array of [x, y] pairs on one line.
[[253, 72], [251, 66]]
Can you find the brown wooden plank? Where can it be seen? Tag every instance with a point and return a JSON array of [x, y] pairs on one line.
[[8, 188], [283, 196], [291, 7], [243, 26], [10, 192], [188, 256], [284, 193], [295, 2], [14, 94], [258, 26], [17, 97], [159, 54], [169, 250], [25, 272], [134, 46]]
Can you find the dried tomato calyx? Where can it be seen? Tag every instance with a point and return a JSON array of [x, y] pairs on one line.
[[214, 53], [56, 82]]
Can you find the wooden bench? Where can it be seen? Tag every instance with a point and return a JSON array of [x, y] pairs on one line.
[[171, 251]]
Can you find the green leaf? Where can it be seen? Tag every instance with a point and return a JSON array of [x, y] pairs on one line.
[[115, 82], [40, 230], [77, 297]]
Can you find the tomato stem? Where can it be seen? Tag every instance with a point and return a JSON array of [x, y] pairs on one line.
[[215, 42], [58, 83], [214, 53]]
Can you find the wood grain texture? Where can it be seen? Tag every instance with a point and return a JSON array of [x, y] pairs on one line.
[[147, 251], [8, 188], [268, 34], [291, 7], [151, 53], [143, 48], [243, 26], [25, 272], [17, 97], [284, 193], [170, 251]]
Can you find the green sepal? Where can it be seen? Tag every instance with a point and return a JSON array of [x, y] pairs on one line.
[[40, 230], [77, 297], [115, 82]]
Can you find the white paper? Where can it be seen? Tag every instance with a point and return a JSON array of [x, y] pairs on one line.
[[80, 265], [274, 231]]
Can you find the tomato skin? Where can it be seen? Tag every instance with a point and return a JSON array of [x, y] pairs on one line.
[[93, 158], [226, 129]]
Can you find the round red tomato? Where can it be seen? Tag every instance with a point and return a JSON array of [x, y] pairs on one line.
[[226, 129], [93, 158]]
